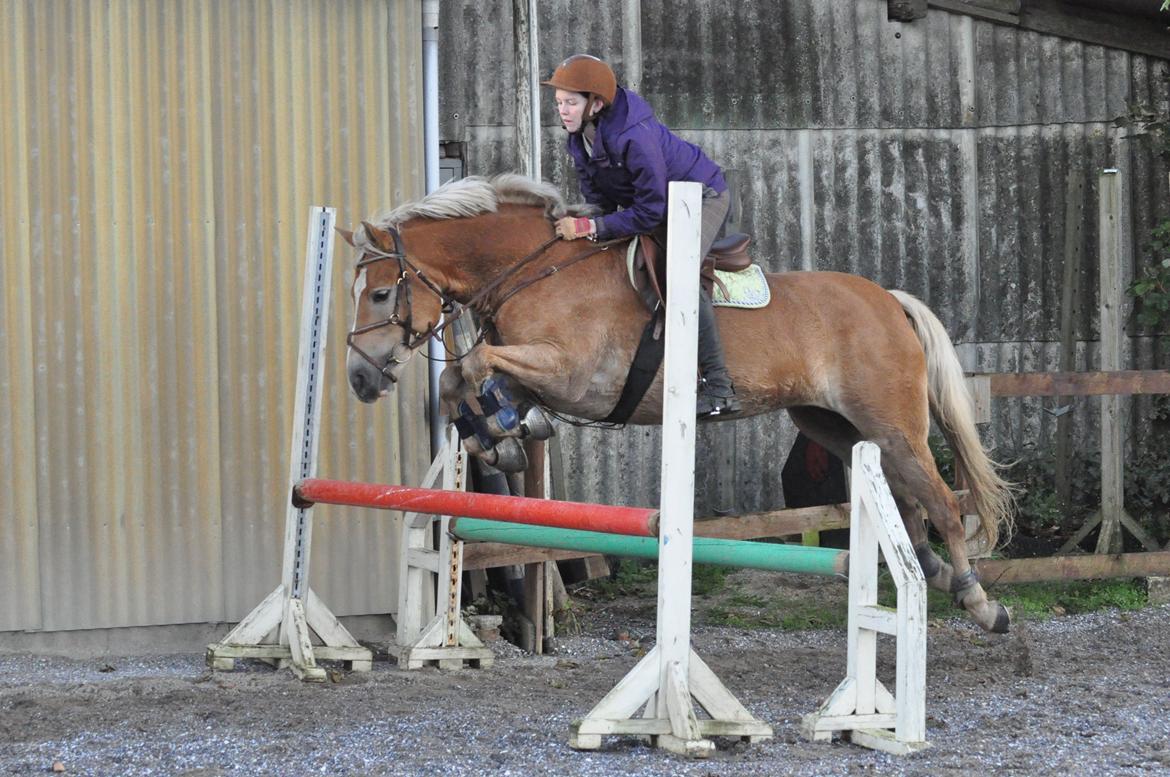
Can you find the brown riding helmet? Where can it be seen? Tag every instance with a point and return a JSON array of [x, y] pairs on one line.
[[584, 73]]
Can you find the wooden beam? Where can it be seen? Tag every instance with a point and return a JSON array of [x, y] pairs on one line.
[[488, 555], [1002, 11], [905, 10], [775, 523], [1081, 384], [1115, 29], [1105, 28], [1031, 570]]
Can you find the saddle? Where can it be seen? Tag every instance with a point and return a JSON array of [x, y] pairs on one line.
[[728, 253]]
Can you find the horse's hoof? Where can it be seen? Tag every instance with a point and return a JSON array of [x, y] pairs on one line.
[[510, 456], [1003, 620], [536, 424]]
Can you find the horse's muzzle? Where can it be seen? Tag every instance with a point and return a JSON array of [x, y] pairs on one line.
[[368, 381]]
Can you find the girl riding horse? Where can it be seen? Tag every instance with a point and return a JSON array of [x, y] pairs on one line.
[[625, 158]]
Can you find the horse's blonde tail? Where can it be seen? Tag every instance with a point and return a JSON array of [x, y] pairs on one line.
[[952, 408]]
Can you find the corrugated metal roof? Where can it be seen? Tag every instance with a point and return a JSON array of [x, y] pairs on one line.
[[160, 161]]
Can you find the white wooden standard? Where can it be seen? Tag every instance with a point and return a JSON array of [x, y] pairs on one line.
[[281, 627], [431, 629], [861, 706], [668, 681]]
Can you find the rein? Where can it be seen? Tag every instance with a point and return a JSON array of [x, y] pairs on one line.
[[411, 339]]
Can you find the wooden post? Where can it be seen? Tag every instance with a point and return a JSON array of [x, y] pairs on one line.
[[431, 629], [535, 582], [1115, 259], [861, 706], [675, 535], [1112, 327], [527, 116]]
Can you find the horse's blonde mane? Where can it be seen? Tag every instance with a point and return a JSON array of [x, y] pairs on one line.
[[475, 195]]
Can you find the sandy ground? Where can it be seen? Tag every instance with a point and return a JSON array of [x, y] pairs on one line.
[[1075, 695]]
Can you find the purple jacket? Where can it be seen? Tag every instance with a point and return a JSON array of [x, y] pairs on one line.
[[634, 157]]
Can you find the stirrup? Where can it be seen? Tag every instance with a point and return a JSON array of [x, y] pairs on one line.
[[712, 402]]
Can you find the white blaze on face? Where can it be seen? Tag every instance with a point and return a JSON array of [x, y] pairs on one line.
[[359, 286]]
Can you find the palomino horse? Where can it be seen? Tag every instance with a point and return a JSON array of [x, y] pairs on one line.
[[849, 360]]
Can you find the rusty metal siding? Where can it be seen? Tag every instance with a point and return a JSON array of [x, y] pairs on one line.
[[20, 604], [159, 163], [930, 156]]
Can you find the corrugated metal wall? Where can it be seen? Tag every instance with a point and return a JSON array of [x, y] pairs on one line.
[[930, 156], [159, 163]]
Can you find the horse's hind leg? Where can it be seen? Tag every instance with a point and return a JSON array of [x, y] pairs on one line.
[[916, 486], [839, 436], [914, 465]]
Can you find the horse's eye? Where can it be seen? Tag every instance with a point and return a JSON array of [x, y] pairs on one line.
[[380, 296]]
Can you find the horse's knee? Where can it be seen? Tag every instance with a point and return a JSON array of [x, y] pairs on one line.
[[452, 386]]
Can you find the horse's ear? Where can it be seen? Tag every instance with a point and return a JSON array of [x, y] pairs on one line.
[[346, 235], [382, 239]]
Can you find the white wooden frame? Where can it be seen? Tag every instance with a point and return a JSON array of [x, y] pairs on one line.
[[431, 629], [861, 706], [281, 627], [668, 681]]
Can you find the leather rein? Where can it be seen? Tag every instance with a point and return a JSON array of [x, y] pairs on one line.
[[413, 339]]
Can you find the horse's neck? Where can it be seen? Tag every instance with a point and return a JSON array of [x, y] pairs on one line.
[[476, 252]]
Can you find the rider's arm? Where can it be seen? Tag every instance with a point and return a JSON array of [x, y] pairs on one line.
[[647, 167]]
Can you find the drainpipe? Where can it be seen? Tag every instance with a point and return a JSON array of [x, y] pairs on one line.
[[534, 88], [632, 44], [527, 78], [430, 77]]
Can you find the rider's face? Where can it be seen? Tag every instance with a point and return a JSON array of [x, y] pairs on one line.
[[571, 108]]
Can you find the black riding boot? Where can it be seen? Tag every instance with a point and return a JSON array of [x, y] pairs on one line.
[[716, 394]]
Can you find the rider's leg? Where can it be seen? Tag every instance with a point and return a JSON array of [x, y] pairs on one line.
[[716, 393]]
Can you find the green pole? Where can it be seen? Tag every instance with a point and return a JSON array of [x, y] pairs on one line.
[[707, 550]]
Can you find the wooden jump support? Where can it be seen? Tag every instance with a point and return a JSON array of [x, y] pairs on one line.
[[280, 629]]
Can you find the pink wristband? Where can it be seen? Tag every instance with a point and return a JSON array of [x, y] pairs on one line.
[[581, 225]]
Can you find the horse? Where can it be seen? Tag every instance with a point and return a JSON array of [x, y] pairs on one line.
[[848, 359]]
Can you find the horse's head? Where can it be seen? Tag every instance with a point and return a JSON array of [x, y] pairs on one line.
[[396, 309], [400, 291]]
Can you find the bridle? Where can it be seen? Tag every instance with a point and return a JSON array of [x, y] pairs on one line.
[[410, 338], [448, 305]]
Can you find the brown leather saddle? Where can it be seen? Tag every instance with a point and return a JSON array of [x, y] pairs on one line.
[[728, 253]]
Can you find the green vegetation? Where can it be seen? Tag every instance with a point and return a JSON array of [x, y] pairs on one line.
[[630, 577], [793, 609], [1028, 602], [1040, 601], [777, 612]]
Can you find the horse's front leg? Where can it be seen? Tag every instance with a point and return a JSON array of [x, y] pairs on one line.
[[490, 414], [542, 369]]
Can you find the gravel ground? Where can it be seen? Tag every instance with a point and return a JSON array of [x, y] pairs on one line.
[[1076, 695]]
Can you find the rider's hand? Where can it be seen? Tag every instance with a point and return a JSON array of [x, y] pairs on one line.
[[571, 228]]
